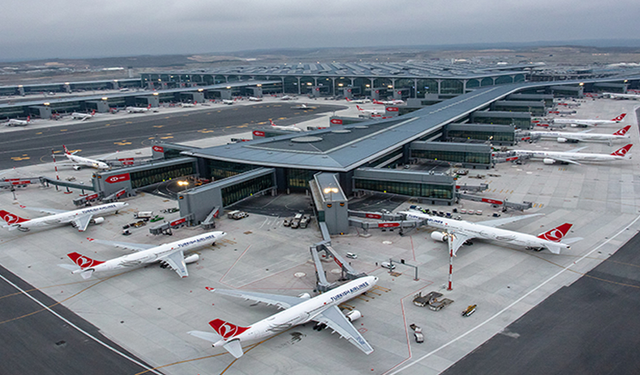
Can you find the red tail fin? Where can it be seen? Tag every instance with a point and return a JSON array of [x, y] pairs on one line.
[[10, 218], [619, 118], [28, 118], [622, 151], [93, 112], [83, 261], [226, 330], [347, 99], [66, 151], [149, 106], [377, 102], [556, 234], [359, 109], [623, 131], [271, 121]]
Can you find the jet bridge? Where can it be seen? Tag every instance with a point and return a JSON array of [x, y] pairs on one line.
[[496, 202]]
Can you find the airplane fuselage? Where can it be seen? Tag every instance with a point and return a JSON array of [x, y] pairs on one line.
[[486, 232], [66, 217], [305, 311], [579, 136], [156, 253], [79, 160], [573, 156]]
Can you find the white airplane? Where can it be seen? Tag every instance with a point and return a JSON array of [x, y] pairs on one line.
[[254, 99], [139, 109], [563, 137], [457, 232], [83, 116], [322, 309], [588, 122], [303, 106], [573, 157], [79, 219], [188, 105], [16, 122], [282, 127], [621, 96], [287, 97], [170, 254], [388, 102], [371, 112], [82, 161], [358, 101], [227, 102]]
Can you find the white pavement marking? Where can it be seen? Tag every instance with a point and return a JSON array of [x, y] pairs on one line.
[[78, 328], [512, 304]]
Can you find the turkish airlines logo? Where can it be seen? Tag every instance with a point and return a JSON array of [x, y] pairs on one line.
[[554, 235], [158, 148], [336, 121], [622, 131], [118, 178], [10, 219], [227, 330], [258, 133], [392, 109], [84, 262], [623, 151], [619, 118]]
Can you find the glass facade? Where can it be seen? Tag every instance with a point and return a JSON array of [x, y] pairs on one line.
[[223, 169], [298, 179], [155, 175], [232, 194], [453, 156], [412, 189], [482, 135]]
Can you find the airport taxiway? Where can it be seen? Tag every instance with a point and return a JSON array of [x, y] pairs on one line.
[[148, 311]]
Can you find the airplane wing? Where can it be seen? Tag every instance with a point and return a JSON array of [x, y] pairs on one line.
[[82, 222], [124, 245], [459, 238], [505, 220], [51, 211], [336, 320], [175, 260], [577, 149], [283, 302]]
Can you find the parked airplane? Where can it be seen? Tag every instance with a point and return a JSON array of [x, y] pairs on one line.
[[388, 102], [573, 157], [188, 105], [282, 127], [563, 137], [621, 96], [457, 232], [374, 112], [79, 161], [287, 97], [588, 122], [322, 309], [227, 102], [16, 122], [83, 116], [77, 218], [170, 254], [358, 101], [254, 99], [139, 109]]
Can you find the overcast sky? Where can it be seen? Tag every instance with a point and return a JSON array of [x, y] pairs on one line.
[[86, 28]]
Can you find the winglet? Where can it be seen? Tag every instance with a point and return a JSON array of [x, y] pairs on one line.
[[556, 234]]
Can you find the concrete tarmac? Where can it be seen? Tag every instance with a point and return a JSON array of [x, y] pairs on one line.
[[33, 144], [36, 341]]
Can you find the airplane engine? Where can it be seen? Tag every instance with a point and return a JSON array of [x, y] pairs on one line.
[[191, 258], [562, 140], [548, 161], [353, 315], [440, 236], [77, 167], [97, 220], [304, 295]]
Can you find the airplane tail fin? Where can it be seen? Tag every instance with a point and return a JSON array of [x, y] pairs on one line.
[[28, 118], [556, 234], [149, 106], [359, 109], [271, 121], [225, 329], [623, 131], [66, 150], [622, 151], [619, 118], [83, 262], [347, 99], [10, 218]]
